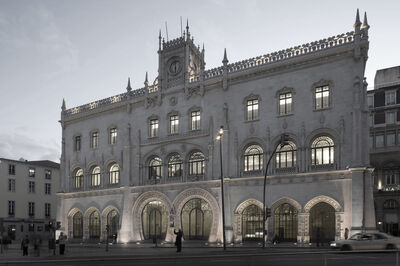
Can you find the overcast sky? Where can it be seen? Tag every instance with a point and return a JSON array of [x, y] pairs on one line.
[[84, 50]]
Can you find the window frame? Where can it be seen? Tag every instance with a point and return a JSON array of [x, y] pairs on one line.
[[95, 178], [282, 162], [47, 173], [47, 210], [47, 188], [248, 157], [287, 105], [31, 209], [31, 172], [194, 164], [11, 185], [173, 124], [114, 176], [94, 139], [11, 208], [195, 124], [77, 143], [175, 165], [154, 125], [252, 109], [155, 168], [11, 169], [31, 186], [317, 151], [112, 135]]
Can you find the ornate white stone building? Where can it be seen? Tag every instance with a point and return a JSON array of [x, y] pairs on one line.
[[147, 161]]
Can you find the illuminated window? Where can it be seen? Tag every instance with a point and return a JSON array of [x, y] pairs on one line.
[[95, 177], [321, 97], [286, 156], [252, 110], [47, 174], [155, 168], [195, 125], [94, 142], [285, 103], [113, 135], [322, 151], [31, 172], [113, 175], [175, 166], [253, 158], [78, 179], [173, 124], [196, 163], [153, 128]]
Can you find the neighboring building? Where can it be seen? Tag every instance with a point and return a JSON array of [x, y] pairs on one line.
[[147, 161], [28, 196], [384, 104]]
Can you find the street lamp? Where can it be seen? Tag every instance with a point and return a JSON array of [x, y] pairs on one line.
[[219, 137], [284, 141]]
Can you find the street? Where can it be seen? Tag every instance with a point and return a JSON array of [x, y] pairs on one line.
[[212, 256]]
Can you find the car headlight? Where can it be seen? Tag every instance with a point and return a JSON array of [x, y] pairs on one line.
[[333, 244]]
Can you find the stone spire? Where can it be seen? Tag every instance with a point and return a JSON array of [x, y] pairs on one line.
[[159, 41], [63, 105], [365, 22], [225, 60], [146, 81], [357, 24], [187, 30], [129, 88]]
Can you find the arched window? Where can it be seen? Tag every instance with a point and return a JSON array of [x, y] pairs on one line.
[[95, 177], [322, 151], [114, 174], [253, 158], [286, 155], [390, 204], [77, 225], [252, 222], [78, 179], [285, 222], [155, 168], [94, 225], [175, 166], [196, 219], [196, 163], [113, 223]]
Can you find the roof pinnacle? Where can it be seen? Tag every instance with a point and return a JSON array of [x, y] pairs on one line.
[[63, 105], [358, 22], [146, 81], [225, 60], [365, 22], [129, 88]]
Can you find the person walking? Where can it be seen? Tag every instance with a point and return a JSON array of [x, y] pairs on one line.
[[178, 240], [25, 245], [61, 241], [346, 233]]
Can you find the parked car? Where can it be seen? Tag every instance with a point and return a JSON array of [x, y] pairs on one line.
[[368, 241]]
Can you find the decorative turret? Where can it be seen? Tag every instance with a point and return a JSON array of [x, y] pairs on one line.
[[129, 88], [63, 105], [357, 36]]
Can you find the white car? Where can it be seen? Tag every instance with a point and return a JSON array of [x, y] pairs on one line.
[[368, 241]]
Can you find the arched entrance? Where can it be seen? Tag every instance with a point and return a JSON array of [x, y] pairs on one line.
[[113, 223], [154, 220], [94, 225], [285, 222], [252, 223], [77, 226], [322, 223], [196, 219]]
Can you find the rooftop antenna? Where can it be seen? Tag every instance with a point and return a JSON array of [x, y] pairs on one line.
[[166, 29], [181, 27]]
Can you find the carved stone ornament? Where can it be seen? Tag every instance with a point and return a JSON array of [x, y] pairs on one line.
[[192, 91], [173, 101]]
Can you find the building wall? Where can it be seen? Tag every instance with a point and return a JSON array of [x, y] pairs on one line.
[[20, 223], [345, 185]]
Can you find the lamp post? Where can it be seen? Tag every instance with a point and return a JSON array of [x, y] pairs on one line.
[[219, 137], [282, 143]]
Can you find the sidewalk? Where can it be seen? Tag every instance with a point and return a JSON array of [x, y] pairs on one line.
[[148, 249]]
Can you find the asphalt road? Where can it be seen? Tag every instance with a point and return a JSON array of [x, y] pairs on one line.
[[228, 259]]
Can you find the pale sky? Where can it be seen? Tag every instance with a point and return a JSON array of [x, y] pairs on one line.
[[85, 50]]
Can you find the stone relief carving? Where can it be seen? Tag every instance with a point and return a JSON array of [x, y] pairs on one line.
[[173, 101]]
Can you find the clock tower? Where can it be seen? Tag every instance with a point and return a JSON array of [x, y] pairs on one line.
[[179, 61]]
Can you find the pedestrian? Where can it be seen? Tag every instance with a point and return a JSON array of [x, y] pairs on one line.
[[25, 245], [346, 233], [36, 246], [178, 240], [61, 241]]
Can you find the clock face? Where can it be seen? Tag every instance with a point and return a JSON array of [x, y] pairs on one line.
[[175, 67]]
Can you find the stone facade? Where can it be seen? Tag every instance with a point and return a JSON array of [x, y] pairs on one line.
[[325, 101], [384, 104]]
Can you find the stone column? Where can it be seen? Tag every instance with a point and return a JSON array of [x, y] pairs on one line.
[[125, 233]]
